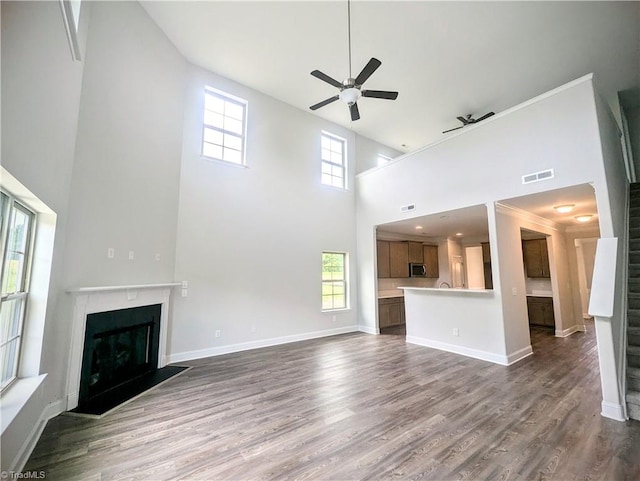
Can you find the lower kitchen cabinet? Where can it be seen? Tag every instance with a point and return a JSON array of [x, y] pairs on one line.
[[391, 311], [541, 311]]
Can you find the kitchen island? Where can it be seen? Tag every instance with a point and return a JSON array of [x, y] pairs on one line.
[[462, 321]]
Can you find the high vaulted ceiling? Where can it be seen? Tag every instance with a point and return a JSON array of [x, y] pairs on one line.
[[446, 59]]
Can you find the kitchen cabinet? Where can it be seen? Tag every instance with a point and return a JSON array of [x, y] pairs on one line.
[[430, 255], [416, 254], [536, 258], [398, 259], [383, 258], [486, 263], [541, 311], [393, 258], [391, 311]]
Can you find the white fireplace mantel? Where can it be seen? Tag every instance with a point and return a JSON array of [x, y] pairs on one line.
[[90, 300]]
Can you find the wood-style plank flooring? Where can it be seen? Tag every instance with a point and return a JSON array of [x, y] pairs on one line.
[[358, 407]]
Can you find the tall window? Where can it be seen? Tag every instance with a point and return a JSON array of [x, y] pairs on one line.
[[334, 160], [16, 242], [334, 280], [225, 125]]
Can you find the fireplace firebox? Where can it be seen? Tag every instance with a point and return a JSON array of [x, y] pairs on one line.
[[119, 347]]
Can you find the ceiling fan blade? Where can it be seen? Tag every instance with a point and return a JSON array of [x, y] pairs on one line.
[[451, 130], [380, 94], [324, 102], [355, 113], [486, 116], [368, 69], [463, 120], [326, 78]]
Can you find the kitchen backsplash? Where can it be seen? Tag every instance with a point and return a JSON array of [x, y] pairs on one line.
[[533, 284]]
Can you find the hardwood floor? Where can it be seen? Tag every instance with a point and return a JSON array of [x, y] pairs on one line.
[[358, 407]]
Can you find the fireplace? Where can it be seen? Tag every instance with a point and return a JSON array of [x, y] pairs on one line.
[[138, 345], [120, 350]]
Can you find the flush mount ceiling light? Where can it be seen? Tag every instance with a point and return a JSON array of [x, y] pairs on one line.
[[583, 218], [563, 209]]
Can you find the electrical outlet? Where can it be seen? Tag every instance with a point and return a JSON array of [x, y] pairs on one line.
[[333, 318], [111, 253], [131, 255], [514, 291], [184, 293], [218, 333], [456, 332], [185, 285]]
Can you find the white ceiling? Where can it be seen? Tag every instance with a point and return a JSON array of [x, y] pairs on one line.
[[445, 58], [472, 221]]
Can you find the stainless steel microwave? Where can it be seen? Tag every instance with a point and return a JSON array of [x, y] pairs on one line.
[[417, 270]]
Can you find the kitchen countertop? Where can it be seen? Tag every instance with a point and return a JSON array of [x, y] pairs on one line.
[[449, 290]]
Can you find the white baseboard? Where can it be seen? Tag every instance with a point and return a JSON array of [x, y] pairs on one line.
[[246, 346], [51, 410], [613, 411], [369, 330], [519, 355], [567, 332], [475, 353]]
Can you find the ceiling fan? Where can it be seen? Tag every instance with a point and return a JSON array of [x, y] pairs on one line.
[[468, 120], [350, 90]]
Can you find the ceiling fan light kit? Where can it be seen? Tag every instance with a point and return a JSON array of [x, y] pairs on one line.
[[350, 90]]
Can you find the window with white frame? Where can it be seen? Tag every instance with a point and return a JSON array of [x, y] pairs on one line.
[[17, 225], [333, 160], [334, 281], [224, 127]]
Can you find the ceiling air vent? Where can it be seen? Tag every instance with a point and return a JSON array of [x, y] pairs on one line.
[[407, 208], [537, 176]]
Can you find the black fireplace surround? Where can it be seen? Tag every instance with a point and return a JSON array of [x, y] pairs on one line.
[[120, 357]]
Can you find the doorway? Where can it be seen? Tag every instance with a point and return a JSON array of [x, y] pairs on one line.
[[586, 255]]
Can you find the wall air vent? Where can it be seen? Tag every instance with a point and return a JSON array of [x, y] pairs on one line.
[[407, 208], [537, 176]]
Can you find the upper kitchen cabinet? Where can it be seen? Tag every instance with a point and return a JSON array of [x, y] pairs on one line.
[[383, 259], [398, 259], [536, 258], [430, 254], [416, 255]]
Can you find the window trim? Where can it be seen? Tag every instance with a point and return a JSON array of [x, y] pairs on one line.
[[345, 281], [14, 203], [225, 97], [343, 165]]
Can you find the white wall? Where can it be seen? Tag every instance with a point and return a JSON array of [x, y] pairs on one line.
[[482, 165], [367, 153], [124, 192], [40, 103], [474, 267], [611, 197], [250, 238]]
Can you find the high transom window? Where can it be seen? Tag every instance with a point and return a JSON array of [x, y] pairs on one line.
[[333, 154], [224, 128], [17, 224], [334, 281]]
